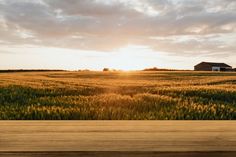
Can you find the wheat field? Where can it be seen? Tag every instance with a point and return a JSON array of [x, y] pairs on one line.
[[174, 95]]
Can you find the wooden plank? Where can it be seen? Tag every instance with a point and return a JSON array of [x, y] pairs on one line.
[[118, 154], [119, 136]]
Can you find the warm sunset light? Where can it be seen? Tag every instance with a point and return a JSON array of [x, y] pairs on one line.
[[117, 59], [117, 78], [119, 34]]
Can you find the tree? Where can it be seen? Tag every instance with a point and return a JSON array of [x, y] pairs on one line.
[[106, 69]]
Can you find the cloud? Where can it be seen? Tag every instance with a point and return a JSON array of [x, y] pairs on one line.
[[106, 25]]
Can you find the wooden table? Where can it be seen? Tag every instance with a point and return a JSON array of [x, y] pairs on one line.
[[117, 138]]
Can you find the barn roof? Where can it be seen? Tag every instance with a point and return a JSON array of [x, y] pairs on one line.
[[216, 64]]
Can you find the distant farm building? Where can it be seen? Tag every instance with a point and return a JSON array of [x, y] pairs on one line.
[[210, 66]]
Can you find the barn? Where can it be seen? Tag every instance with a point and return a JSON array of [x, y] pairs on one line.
[[210, 66]]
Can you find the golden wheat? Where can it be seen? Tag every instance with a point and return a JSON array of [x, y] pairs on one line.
[[118, 95]]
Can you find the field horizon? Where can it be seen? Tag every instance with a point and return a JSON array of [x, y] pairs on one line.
[[91, 70]]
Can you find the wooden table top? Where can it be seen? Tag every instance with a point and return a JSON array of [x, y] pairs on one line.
[[117, 136]]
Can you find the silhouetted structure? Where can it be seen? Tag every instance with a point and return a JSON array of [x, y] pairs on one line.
[[210, 66]]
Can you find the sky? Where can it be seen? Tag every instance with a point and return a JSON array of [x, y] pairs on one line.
[[118, 34]]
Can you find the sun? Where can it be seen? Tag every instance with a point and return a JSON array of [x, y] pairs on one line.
[[131, 57]]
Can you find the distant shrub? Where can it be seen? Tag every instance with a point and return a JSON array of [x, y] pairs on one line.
[[105, 69], [158, 69]]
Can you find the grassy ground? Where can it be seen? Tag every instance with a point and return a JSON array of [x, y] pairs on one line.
[[118, 95]]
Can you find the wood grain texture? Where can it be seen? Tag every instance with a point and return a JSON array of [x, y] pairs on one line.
[[119, 154], [130, 137]]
